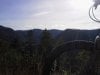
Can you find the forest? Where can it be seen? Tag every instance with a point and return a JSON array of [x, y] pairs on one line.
[[26, 56]]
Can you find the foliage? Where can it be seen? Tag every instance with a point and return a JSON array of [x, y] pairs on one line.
[[27, 58]]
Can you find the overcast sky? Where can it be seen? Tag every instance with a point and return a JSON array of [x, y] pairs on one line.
[[52, 14]]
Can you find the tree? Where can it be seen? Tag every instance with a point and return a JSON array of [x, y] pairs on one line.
[[46, 45], [47, 42]]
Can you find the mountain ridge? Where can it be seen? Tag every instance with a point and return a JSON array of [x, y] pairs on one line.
[[66, 35]]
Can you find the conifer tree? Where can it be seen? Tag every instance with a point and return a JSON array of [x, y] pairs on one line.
[[46, 42]]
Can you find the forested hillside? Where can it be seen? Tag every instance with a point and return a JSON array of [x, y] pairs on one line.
[[23, 52]]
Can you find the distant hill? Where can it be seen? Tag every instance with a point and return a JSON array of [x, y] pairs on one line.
[[10, 34], [76, 34], [66, 35], [22, 35], [7, 34], [37, 34]]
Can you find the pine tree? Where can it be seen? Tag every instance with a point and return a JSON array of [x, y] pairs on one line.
[[46, 45], [46, 42]]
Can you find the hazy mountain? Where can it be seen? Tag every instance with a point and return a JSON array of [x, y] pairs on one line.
[[10, 34], [66, 35], [76, 34], [22, 35], [7, 34], [37, 34]]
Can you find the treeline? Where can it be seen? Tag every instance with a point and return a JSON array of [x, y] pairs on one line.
[[26, 57]]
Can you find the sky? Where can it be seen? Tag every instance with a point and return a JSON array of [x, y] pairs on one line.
[[50, 14]]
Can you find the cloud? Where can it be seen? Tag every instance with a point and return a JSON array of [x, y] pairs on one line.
[[41, 13], [60, 14]]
